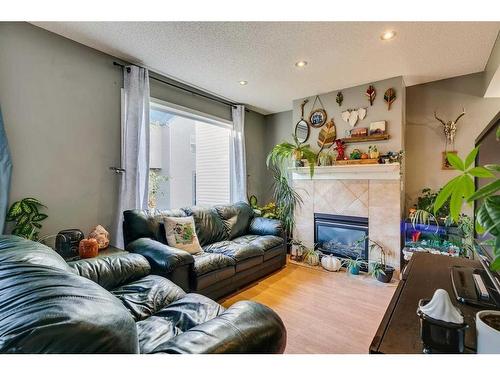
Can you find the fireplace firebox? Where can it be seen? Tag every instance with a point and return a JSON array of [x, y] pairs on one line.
[[342, 236]]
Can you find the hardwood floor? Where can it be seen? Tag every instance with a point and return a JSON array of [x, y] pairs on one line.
[[324, 312]]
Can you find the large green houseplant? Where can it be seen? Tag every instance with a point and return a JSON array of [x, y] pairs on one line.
[[27, 218], [462, 189], [285, 196]]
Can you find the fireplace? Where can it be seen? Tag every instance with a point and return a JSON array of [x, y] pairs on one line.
[[342, 236]]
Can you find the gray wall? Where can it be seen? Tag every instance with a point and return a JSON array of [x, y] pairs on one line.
[[354, 98], [425, 139], [61, 108]]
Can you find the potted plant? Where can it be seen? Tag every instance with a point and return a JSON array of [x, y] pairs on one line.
[[353, 265], [27, 217], [282, 153], [298, 250], [311, 256], [380, 270], [462, 189], [373, 152]]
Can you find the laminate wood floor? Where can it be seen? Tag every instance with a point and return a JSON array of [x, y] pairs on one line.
[[324, 312]]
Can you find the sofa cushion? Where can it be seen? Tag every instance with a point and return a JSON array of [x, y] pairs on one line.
[[209, 226], [147, 224], [181, 234], [234, 250], [148, 295], [176, 318], [236, 217], [207, 262], [261, 242], [17, 249]]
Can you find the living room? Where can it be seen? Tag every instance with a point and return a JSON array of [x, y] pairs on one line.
[[250, 187]]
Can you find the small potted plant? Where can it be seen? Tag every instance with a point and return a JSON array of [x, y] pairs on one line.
[[298, 250], [380, 270], [373, 152], [311, 256], [353, 265]]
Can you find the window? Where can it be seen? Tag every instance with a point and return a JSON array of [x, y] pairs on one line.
[[189, 158]]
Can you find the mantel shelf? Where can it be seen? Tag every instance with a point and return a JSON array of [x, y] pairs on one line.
[[350, 172]]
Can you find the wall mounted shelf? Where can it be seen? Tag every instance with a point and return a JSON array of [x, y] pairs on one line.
[[368, 138]]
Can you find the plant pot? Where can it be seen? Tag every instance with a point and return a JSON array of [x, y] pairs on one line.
[[298, 163], [312, 259], [353, 270], [488, 332], [389, 271]]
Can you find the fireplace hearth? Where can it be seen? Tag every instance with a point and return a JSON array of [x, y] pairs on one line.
[[342, 236]]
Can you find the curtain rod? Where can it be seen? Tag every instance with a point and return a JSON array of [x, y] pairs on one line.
[[225, 102]]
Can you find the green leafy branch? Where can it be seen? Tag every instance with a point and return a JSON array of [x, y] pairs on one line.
[[461, 190], [25, 213]]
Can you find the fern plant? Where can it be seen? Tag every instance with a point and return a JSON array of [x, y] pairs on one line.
[[282, 153], [25, 213]]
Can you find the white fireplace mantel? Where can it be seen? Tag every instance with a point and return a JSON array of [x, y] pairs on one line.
[[350, 172]]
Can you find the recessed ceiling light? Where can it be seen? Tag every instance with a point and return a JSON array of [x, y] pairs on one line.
[[243, 83], [301, 64], [388, 35]]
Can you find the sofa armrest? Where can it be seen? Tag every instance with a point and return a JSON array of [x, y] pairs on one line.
[[110, 272], [263, 226], [244, 328], [163, 259]]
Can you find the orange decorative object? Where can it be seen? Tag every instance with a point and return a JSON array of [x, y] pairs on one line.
[[88, 248]]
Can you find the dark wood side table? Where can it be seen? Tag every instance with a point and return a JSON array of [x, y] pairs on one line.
[[399, 331]]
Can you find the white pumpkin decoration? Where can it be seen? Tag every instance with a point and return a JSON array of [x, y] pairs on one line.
[[331, 263]]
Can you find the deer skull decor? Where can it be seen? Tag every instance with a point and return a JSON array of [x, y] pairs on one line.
[[450, 129]]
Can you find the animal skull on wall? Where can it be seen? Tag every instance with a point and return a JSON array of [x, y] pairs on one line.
[[450, 129]]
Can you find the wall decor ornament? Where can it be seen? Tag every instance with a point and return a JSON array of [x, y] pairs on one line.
[[351, 116], [327, 136], [340, 98], [377, 128], [302, 129], [318, 116], [450, 129], [445, 163], [389, 97], [371, 93], [340, 148]]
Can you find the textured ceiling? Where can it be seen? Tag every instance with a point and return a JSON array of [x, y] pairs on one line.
[[215, 56]]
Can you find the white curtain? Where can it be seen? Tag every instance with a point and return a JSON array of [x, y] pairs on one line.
[[238, 158], [133, 191]]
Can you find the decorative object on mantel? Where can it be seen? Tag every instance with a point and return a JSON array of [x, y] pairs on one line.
[[373, 152], [325, 159], [371, 93], [331, 263], [450, 129], [326, 137], [340, 148], [359, 132], [302, 129], [392, 157], [445, 163], [377, 128], [389, 97], [340, 98], [442, 325], [101, 235], [355, 154], [318, 116], [356, 161], [351, 116]]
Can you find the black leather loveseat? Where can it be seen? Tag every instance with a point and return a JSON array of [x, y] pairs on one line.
[[238, 247], [114, 305]]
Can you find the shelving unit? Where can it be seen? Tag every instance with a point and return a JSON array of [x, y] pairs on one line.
[[368, 138]]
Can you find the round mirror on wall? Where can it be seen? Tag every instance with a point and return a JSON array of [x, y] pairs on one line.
[[302, 131]]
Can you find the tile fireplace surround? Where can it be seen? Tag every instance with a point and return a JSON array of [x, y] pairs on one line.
[[372, 191]]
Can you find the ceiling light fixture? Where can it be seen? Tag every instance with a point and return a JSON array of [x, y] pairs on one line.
[[243, 83], [388, 35], [301, 64]]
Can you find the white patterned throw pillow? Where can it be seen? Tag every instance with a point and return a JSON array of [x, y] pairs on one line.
[[181, 234]]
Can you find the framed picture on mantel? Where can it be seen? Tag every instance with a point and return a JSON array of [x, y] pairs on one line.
[[445, 164]]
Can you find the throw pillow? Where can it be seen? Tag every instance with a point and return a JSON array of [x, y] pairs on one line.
[[181, 234]]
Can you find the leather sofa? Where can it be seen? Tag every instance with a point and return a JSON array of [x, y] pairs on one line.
[[115, 305], [238, 247]]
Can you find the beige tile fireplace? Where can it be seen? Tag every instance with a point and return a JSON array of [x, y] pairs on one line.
[[370, 191]]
